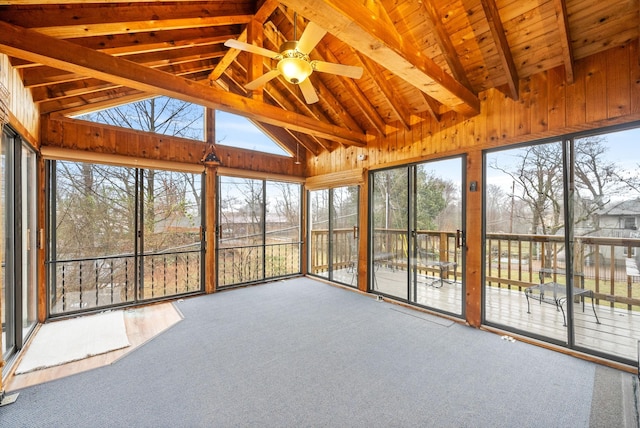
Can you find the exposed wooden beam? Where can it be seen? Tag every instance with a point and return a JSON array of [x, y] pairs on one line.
[[356, 94], [177, 56], [155, 41], [101, 101], [105, 29], [433, 107], [396, 105], [352, 23], [69, 89], [227, 59], [152, 41], [334, 107], [283, 101], [504, 52], [30, 2], [444, 42], [34, 77], [565, 39], [33, 46], [254, 70], [85, 87], [42, 75], [261, 15]]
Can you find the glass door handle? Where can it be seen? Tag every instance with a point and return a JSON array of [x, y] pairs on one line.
[[459, 238]]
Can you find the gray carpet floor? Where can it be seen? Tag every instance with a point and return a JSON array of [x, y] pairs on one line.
[[301, 353]]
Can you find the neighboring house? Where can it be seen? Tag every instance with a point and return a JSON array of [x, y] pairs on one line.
[[621, 219]]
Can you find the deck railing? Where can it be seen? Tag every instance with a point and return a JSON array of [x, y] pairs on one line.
[[344, 250], [98, 282], [512, 260], [244, 264], [432, 245], [515, 260]]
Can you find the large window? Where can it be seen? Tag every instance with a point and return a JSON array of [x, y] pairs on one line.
[[560, 242], [18, 241], [334, 234], [121, 235], [258, 230]]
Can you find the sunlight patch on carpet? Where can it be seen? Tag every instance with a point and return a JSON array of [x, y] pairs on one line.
[[74, 339]]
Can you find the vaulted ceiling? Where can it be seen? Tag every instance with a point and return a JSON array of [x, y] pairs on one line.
[[420, 57]]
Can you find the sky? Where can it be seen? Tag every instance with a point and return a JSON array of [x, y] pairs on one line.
[[237, 131], [623, 149]]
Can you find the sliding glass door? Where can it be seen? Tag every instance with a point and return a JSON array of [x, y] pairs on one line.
[[562, 243], [417, 216], [524, 212], [334, 234], [18, 241]]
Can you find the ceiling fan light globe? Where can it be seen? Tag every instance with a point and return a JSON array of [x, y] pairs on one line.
[[294, 70]]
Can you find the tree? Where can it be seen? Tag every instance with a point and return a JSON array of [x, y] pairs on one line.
[[391, 199], [538, 178], [168, 197]]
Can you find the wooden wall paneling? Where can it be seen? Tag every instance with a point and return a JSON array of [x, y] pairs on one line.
[[539, 103], [576, 112], [404, 150], [413, 150], [78, 135], [446, 143], [416, 139], [469, 137], [618, 85], [634, 78], [480, 124], [556, 87], [596, 88], [24, 117], [507, 116], [523, 112], [492, 117]]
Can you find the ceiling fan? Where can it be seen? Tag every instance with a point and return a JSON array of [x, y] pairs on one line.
[[294, 63]]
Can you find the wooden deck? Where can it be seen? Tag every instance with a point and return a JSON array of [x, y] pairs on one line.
[[617, 334]]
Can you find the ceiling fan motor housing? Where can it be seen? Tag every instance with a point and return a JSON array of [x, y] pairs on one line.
[[294, 65]]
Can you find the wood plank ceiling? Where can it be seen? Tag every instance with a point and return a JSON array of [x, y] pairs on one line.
[[420, 57]]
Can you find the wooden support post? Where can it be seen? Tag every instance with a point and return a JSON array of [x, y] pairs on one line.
[[473, 248], [210, 229], [363, 233]]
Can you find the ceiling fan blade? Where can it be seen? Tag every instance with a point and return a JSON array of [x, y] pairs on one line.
[[339, 69], [260, 81], [247, 47], [308, 91], [310, 38]]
